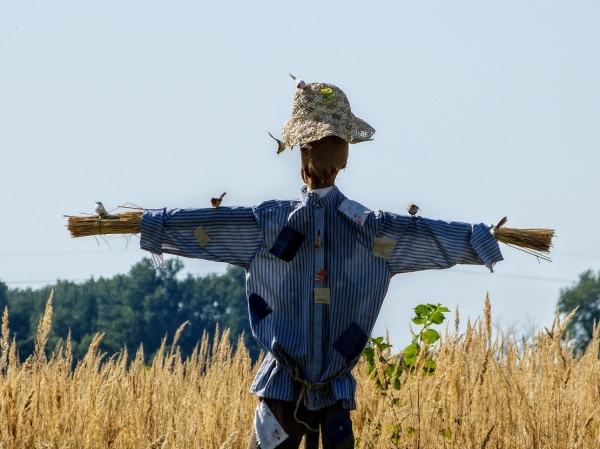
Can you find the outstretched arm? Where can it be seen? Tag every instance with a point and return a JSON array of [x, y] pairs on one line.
[[423, 244], [223, 234]]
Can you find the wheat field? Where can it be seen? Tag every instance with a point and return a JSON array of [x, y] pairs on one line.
[[489, 391]]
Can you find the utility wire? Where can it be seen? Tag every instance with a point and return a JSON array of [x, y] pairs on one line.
[[103, 251], [44, 282], [516, 276], [72, 253], [451, 271]]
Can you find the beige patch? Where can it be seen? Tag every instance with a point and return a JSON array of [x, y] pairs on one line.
[[322, 295], [201, 236], [383, 247]]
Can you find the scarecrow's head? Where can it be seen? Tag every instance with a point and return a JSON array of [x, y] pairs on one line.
[[323, 125], [321, 161]]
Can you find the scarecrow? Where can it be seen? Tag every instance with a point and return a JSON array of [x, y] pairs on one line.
[[318, 269]]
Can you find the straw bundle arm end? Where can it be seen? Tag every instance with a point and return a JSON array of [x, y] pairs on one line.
[[534, 241], [120, 223]]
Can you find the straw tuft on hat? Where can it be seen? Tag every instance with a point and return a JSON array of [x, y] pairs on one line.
[[322, 110]]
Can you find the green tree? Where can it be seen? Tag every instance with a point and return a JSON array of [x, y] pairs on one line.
[[585, 295], [214, 300], [3, 296], [75, 313], [138, 308], [25, 307]]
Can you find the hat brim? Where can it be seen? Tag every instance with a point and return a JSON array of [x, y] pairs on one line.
[[298, 131]]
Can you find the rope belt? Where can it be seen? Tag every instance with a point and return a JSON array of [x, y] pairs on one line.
[[320, 387]]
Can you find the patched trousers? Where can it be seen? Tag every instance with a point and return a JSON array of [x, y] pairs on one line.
[[333, 421]]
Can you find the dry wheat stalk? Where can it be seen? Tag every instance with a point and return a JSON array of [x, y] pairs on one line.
[[535, 395]]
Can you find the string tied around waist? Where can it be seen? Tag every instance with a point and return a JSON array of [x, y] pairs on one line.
[[321, 388]]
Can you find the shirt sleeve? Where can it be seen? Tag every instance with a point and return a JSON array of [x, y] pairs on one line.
[[424, 244], [224, 234]]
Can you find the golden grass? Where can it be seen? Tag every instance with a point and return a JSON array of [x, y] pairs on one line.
[[202, 401], [491, 392], [488, 391]]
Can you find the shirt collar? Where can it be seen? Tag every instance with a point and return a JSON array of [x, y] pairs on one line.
[[331, 195], [321, 192]]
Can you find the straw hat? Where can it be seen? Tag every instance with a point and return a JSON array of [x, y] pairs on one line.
[[322, 110]]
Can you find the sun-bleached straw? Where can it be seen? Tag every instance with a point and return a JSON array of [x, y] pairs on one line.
[[121, 223], [534, 241]]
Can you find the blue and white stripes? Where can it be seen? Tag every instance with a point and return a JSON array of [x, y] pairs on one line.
[[291, 248], [234, 233]]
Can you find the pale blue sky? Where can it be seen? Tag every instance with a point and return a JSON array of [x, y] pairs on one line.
[[482, 109]]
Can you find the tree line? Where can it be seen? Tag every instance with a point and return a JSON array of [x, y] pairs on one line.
[[146, 305], [138, 308]]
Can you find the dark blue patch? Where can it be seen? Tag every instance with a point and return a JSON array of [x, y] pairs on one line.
[[287, 244], [339, 428], [259, 308], [351, 343]]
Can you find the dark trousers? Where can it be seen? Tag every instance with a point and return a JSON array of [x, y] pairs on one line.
[[334, 423]]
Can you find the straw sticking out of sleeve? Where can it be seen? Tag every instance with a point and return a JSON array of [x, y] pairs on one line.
[[122, 223], [534, 241]]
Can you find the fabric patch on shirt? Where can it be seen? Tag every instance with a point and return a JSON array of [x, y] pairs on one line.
[[355, 211], [287, 244], [201, 236], [322, 295], [352, 342], [339, 428], [259, 308], [383, 247], [269, 432]]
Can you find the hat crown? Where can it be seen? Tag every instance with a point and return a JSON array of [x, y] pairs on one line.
[[318, 98], [321, 110]]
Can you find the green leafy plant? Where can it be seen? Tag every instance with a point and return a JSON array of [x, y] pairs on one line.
[[387, 370], [377, 351], [426, 315]]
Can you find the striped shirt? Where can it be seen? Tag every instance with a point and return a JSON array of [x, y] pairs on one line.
[[317, 271]]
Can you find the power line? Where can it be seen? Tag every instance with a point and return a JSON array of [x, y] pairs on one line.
[[516, 276], [453, 270], [111, 251], [72, 253], [579, 256], [47, 282]]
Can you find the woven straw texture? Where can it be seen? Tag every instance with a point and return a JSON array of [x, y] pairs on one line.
[[322, 110], [123, 223]]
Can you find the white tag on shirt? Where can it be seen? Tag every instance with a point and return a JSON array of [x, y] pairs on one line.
[[355, 211], [269, 432]]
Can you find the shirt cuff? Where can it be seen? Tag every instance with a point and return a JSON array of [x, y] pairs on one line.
[[152, 230], [485, 245]]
